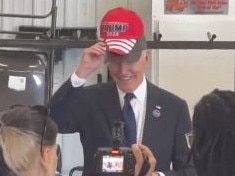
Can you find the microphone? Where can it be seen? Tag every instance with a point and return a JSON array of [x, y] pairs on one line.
[[117, 133]]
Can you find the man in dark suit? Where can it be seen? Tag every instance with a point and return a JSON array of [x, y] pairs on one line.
[[162, 119]]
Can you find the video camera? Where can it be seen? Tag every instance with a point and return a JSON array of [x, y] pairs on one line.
[[115, 160]]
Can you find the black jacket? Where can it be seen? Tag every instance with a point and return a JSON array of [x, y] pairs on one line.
[[92, 110]]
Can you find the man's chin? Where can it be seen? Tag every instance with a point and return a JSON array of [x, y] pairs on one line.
[[126, 87]]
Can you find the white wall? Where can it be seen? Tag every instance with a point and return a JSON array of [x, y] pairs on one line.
[[192, 73]]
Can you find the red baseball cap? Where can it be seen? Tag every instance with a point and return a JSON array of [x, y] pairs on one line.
[[123, 31]]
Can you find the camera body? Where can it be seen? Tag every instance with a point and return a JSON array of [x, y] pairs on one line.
[[115, 162]]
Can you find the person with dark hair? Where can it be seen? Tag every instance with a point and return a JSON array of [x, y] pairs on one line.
[[213, 146], [152, 116], [27, 142]]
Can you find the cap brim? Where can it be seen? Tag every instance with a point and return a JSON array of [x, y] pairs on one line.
[[133, 55]]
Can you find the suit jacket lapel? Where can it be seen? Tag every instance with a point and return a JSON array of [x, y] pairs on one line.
[[152, 113], [112, 106]]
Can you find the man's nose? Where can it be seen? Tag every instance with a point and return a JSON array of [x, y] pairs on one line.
[[123, 67]]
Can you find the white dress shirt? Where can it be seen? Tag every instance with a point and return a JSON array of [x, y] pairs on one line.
[[138, 105]]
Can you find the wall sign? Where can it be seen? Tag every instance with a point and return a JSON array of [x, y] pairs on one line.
[[196, 7]]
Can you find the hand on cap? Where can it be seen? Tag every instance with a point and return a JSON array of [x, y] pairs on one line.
[[91, 60], [140, 151]]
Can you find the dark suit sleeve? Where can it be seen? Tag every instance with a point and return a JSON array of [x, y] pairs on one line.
[[67, 106], [165, 134], [180, 164], [183, 126]]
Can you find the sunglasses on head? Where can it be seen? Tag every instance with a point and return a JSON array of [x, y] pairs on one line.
[[43, 111]]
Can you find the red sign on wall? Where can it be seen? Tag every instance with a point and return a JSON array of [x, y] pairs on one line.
[[196, 6]]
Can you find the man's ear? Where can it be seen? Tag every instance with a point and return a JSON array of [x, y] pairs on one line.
[[146, 54], [46, 155]]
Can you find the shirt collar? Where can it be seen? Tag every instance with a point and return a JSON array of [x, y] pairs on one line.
[[140, 92]]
